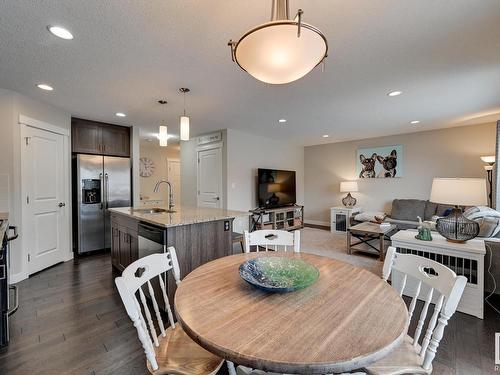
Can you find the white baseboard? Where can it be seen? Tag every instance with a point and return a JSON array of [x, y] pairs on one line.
[[317, 222], [20, 276]]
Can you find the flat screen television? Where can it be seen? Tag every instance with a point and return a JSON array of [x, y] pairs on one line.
[[275, 188]]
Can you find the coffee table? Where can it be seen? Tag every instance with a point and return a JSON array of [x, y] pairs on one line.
[[368, 232]]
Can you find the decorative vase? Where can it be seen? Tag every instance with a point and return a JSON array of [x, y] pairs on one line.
[[424, 234], [349, 201], [456, 227]]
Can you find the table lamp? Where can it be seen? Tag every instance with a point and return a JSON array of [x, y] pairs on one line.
[[348, 187], [458, 192]]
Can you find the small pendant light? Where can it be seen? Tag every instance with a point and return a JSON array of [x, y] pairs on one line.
[[163, 133], [184, 118]]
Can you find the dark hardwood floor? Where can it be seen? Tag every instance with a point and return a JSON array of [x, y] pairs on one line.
[[72, 321]]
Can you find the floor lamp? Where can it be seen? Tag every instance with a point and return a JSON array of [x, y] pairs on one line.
[[490, 162]]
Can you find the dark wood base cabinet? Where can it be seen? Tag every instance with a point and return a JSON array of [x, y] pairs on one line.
[[124, 241], [195, 244]]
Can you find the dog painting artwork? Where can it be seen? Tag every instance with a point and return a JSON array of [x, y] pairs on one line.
[[380, 162]]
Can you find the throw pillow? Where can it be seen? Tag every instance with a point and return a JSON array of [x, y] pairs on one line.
[[370, 216]]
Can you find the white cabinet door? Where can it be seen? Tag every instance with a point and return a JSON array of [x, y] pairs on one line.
[[44, 228], [210, 178]]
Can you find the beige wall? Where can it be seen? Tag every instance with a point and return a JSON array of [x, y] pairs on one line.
[[452, 152], [159, 156]]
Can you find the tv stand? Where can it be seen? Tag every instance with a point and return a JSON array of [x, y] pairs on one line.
[[284, 218]]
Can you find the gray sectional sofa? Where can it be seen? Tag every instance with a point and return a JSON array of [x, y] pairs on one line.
[[405, 212]]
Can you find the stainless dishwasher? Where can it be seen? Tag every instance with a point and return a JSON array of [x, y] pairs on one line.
[[153, 240]]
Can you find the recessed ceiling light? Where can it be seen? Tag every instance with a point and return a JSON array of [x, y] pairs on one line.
[[120, 114], [325, 136], [282, 120], [414, 122], [45, 87], [60, 32], [395, 93]]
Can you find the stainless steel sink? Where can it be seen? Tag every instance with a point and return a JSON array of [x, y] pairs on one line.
[[154, 210]]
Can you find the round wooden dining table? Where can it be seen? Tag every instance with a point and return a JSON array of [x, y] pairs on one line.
[[348, 319]]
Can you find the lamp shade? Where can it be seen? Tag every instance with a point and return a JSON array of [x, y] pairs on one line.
[[274, 54], [184, 128], [488, 159], [459, 191], [348, 186]]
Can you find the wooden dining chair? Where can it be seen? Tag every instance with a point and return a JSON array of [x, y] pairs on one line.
[[171, 351], [435, 284], [271, 239]]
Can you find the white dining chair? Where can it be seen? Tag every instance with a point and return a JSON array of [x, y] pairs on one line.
[[271, 239], [171, 351], [440, 286]]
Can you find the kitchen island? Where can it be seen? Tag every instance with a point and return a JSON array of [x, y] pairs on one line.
[[198, 234]]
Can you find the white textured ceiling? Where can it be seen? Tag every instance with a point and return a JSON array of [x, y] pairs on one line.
[[444, 55]]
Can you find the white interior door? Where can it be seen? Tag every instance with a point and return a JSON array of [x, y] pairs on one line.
[[174, 177], [45, 215], [210, 177]]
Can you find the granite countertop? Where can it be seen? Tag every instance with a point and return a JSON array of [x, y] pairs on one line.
[[181, 216], [4, 216]]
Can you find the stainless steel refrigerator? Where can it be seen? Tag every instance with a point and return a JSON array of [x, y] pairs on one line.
[[103, 182]]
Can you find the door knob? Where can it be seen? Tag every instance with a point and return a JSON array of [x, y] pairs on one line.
[[62, 204], [216, 198]]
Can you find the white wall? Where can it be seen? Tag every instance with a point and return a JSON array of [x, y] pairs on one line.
[[12, 105], [245, 154], [452, 152], [189, 171]]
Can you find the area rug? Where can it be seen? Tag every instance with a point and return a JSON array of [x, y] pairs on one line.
[[323, 242]]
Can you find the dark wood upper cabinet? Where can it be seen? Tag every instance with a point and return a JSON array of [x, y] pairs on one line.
[[115, 140], [92, 137], [86, 136]]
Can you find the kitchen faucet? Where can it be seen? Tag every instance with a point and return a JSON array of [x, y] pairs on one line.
[[170, 193]]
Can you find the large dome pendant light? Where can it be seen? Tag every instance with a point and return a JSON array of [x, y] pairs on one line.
[[282, 50], [163, 131], [184, 118]]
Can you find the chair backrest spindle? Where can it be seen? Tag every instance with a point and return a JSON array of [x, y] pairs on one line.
[[151, 325]]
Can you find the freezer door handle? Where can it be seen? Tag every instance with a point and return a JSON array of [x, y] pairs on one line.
[[102, 190], [106, 177]]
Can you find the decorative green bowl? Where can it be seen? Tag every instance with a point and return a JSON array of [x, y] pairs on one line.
[[278, 274]]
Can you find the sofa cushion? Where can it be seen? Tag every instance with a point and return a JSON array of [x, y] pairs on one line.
[[430, 210], [408, 209], [370, 216]]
